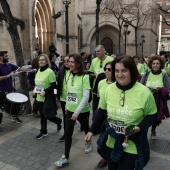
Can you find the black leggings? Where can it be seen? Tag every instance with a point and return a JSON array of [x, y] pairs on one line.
[[83, 118], [127, 162], [63, 104]]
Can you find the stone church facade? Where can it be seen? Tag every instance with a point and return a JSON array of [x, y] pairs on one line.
[[37, 28]]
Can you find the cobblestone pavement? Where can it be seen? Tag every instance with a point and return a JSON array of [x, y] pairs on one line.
[[19, 150]]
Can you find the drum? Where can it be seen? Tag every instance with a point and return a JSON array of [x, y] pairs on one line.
[[14, 102]]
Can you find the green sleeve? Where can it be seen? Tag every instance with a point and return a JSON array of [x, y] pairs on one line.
[[86, 82], [52, 77], [103, 104]]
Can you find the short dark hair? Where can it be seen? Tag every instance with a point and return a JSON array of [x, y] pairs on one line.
[[135, 56], [156, 58], [3, 52], [110, 63], [82, 53], [129, 63], [78, 61], [51, 55]]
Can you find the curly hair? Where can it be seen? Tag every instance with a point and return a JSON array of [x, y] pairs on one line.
[[156, 58]]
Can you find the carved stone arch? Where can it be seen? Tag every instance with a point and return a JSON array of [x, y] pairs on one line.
[[44, 24], [106, 29]]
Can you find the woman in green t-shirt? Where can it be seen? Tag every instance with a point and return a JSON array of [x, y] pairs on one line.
[[130, 109], [102, 86], [78, 108], [45, 83], [158, 82]]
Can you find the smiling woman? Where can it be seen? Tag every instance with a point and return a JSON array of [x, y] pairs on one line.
[[158, 82], [126, 103]]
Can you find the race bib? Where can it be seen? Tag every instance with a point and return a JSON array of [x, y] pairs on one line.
[[72, 98], [118, 126], [38, 89]]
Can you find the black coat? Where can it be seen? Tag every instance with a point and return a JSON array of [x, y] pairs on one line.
[[61, 76], [49, 106]]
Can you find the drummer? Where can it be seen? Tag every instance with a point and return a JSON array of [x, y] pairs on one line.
[[6, 85]]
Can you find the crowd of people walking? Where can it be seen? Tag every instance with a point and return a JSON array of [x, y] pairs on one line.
[[125, 94]]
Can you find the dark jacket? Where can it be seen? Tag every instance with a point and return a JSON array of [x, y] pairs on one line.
[[49, 107], [61, 76], [161, 98], [140, 139]]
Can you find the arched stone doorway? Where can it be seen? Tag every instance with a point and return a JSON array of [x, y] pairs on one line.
[[44, 24], [108, 37], [108, 44]]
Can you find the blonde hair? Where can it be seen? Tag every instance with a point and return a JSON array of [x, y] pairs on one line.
[[47, 59]]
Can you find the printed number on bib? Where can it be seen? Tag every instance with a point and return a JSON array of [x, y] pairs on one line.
[[118, 126], [72, 98], [38, 89]]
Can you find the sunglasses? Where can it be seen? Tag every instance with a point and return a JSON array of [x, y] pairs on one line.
[[101, 62], [122, 98], [109, 69]]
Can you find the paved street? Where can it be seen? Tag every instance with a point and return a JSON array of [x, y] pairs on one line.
[[19, 150]]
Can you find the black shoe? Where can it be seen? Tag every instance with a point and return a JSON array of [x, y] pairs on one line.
[[40, 136], [16, 120], [102, 163], [62, 138], [1, 130], [59, 126]]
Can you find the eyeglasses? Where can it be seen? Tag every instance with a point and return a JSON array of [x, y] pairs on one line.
[[66, 61], [122, 98], [42, 60], [109, 69], [101, 62]]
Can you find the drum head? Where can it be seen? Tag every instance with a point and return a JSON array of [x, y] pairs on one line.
[[17, 97]]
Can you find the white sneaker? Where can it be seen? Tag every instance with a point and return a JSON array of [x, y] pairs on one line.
[[62, 161], [153, 135], [88, 148]]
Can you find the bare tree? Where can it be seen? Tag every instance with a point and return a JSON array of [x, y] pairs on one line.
[[162, 9], [12, 29], [113, 7], [135, 13]]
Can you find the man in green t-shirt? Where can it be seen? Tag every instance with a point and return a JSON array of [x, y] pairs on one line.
[[97, 67]]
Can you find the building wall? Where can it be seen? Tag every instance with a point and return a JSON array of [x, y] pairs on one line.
[[81, 15]]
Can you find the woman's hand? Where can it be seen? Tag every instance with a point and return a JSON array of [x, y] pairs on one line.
[[42, 93], [136, 129], [74, 116], [88, 137]]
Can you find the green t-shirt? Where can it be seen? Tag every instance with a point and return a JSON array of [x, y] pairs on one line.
[[139, 102], [101, 91], [75, 87], [154, 81], [64, 88], [44, 79], [97, 66]]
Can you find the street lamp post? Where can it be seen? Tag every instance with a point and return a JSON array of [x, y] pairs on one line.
[[157, 42], [98, 2], [67, 2], [125, 33], [143, 37]]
